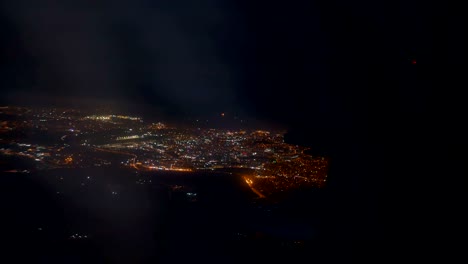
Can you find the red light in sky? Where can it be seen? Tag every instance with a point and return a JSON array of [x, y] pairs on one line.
[[413, 62]]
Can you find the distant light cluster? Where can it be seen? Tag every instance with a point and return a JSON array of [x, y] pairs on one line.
[[79, 140], [128, 137], [109, 117]]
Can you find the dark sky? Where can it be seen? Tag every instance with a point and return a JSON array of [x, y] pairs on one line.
[[316, 67], [377, 85], [278, 60]]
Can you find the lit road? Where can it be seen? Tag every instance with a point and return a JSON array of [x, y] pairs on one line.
[[260, 195], [250, 182]]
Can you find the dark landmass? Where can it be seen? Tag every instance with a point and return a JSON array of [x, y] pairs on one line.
[[119, 216]]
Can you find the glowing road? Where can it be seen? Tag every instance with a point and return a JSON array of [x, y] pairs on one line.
[[250, 182]]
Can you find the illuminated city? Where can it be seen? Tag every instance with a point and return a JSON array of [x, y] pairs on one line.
[[231, 131], [112, 175], [74, 140]]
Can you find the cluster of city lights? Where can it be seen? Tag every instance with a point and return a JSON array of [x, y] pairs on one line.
[[274, 164], [109, 117]]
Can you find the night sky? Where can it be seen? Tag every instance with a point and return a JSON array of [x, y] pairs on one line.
[[376, 85], [277, 61]]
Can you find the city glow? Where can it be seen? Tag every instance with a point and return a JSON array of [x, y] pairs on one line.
[[86, 141]]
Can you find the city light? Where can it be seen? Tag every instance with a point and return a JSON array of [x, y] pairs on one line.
[[275, 166]]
